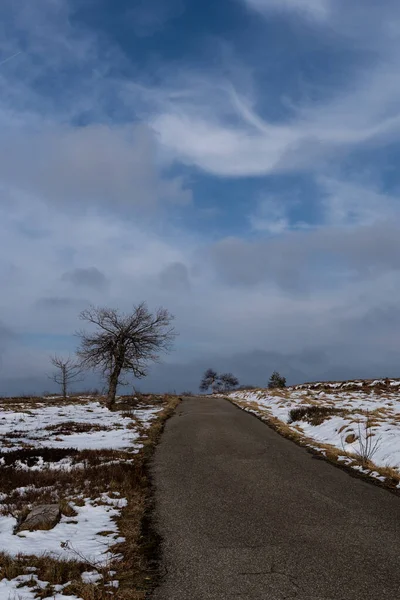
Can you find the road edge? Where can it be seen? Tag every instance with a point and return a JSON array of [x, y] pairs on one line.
[[151, 540], [277, 425]]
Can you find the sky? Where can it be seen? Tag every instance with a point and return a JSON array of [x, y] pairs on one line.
[[235, 162]]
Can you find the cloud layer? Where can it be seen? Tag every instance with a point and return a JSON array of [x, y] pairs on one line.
[[266, 221]]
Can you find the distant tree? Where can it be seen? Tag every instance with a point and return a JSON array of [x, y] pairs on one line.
[[67, 371], [276, 381], [218, 383], [228, 381], [124, 343], [246, 387], [210, 380]]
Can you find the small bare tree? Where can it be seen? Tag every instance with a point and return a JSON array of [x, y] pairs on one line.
[[68, 371], [123, 343]]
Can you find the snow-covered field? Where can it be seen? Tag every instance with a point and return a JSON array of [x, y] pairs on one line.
[[360, 420], [88, 425], [75, 455]]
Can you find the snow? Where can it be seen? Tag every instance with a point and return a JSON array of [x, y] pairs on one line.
[[10, 589], [91, 534], [62, 597], [358, 405], [91, 576], [42, 427], [72, 538]]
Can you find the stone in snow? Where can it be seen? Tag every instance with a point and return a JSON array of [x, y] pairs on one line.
[[43, 516]]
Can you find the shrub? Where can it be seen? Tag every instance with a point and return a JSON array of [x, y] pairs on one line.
[[368, 444], [276, 380], [315, 415]]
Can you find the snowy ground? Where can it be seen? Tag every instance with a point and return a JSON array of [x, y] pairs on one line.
[[354, 418], [52, 452], [88, 425]]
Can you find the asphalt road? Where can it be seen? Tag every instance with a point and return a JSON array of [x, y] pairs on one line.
[[247, 514]]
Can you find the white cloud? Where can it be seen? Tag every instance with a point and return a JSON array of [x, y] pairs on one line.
[[63, 144], [318, 9], [220, 149], [356, 203], [198, 120], [204, 123]]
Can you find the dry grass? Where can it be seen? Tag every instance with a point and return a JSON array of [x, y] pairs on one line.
[[70, 427], [315, 415], [25, 403], [57, 572], [118, 473]]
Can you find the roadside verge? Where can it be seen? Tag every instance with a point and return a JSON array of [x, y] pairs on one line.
[[356, 430]]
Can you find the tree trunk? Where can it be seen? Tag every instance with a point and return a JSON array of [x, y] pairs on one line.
[[64, 382], [112, 386]]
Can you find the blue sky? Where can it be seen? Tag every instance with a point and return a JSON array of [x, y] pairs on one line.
[[234, 161]]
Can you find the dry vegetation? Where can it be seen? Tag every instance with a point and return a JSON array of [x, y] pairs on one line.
[[119, 473]]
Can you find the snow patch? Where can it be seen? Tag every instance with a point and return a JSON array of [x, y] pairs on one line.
[[71, 539]]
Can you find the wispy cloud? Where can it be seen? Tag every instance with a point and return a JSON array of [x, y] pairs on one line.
[[318, 9], [356, 203], [5, 60], [204, 121]]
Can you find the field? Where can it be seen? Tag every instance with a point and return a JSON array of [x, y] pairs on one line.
[[86, 464], [354, 423]]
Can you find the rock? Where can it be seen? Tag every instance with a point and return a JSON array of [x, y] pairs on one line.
[[44, 516]]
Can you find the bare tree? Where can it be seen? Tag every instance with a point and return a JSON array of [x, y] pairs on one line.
[[210, 379], [228, 381], [68, 371], [123, 343]]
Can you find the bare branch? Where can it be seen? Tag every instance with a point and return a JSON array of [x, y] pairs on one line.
[[210, 379], [68, 371], [123, 343], [228, 381]]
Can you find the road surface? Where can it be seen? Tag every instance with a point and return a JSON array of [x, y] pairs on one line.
[[246, 514]]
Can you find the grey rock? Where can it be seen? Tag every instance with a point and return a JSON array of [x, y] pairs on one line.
[[43, 516]]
